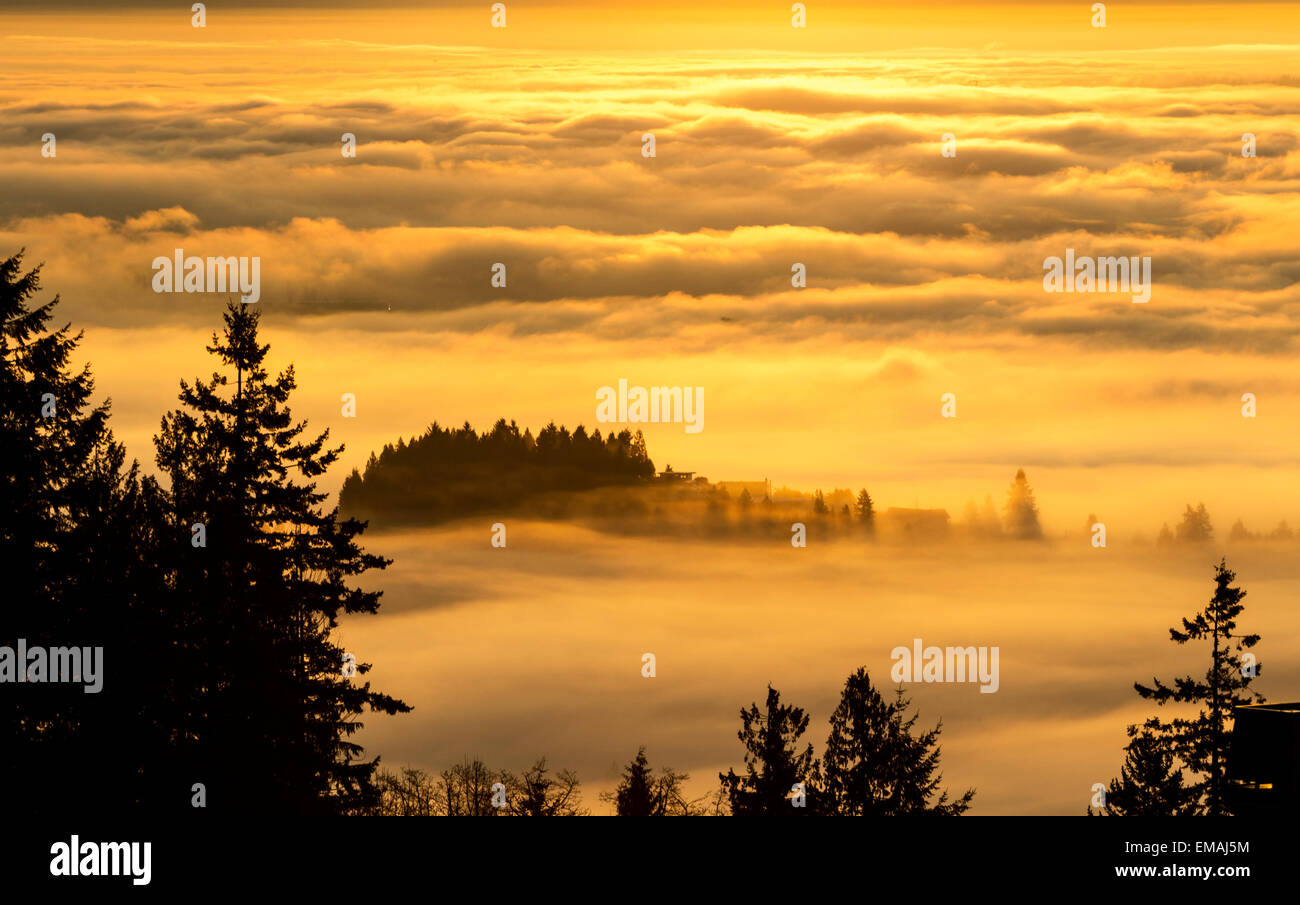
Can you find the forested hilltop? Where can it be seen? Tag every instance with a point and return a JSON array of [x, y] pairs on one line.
[[450, 472], [609, 483]]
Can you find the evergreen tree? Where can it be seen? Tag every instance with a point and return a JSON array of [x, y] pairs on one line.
[[261, 573], [1195, 527], [874, 766], [449, 473], [76, 527], [635, 796], [642, 794], [819, 504], [50, 438], [773, 763], [1202, 742], [1149, 785], [1021, 510], [866, 511]]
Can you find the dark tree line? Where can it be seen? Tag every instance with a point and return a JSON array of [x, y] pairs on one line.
[[875, 765], [471, 789], [450, 472], [213, 594]]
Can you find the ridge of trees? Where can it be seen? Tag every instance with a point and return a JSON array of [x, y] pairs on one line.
[[875, 765], [448, 472]]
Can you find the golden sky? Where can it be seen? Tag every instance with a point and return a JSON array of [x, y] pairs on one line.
[[774, 145]]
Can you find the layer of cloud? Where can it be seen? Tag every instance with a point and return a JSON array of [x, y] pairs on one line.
[[467, 158]]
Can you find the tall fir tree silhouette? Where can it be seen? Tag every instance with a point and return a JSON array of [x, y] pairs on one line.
[[1022, 510], [76, 526], [866, 510], [635, 795], [261, 572], [1202, 742]]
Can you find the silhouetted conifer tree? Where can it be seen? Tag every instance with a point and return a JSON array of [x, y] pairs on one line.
[[634, 796], [1195, 526], [270, 712], [640, 793], [1202, 742], [773, 763], [1022, 511], [874, 766], [76, 529], [1149, 784], [866, 511]]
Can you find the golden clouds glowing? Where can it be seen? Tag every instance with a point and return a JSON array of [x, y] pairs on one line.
[[775, 146]]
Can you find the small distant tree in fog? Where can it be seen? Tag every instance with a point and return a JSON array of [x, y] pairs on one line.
[[1165, 537], [1195, 527], [819, 504], [866, 510], [745, 500], [1282, 531], [1021, 510], [1238, 531]]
